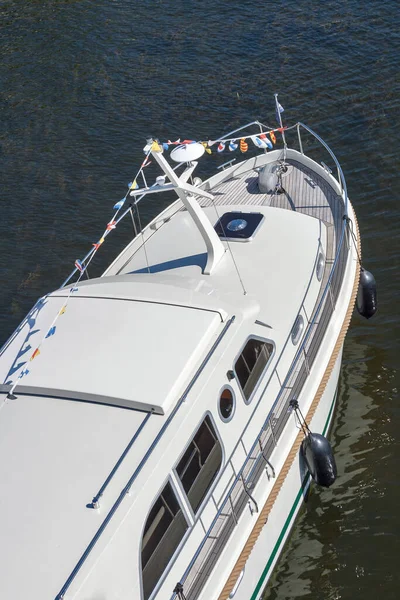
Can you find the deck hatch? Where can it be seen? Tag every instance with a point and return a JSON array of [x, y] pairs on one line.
[[238, 226]]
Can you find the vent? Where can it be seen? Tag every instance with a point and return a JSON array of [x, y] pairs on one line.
[[238, 226]]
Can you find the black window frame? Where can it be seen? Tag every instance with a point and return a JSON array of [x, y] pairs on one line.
[[182, 509], [197, 511], [258, 338]]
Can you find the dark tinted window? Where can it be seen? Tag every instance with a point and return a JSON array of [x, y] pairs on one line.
[[200, 464], [251, 364], [165, 527]]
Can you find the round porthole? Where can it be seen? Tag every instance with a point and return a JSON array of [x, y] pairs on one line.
[[226, 404]]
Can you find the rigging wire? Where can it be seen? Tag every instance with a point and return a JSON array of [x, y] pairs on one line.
[[143, 240], [229, 248]]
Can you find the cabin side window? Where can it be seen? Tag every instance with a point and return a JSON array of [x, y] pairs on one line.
[[251, 364], [164, 529], [200, 464]]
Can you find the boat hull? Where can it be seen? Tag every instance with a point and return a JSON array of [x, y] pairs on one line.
[[265, 554]]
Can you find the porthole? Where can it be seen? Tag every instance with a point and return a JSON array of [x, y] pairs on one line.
[[319, 269], [297, 329], [226, 404]]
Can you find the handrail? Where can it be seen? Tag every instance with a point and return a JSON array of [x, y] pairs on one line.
[[342, 181], [95, 500], [295, 361]]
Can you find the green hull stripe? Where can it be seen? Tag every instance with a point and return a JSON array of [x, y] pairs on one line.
[[289, 518]]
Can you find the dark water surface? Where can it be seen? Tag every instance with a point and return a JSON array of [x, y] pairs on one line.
[[82, 84]]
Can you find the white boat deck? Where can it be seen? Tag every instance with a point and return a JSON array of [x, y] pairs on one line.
[[306, 192]]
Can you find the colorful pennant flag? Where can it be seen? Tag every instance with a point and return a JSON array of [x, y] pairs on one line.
[[243, 145], [133, 185], [98, 244], [279, 110], [73, 289], [51, 331], [272, 136], [221, 147], [232, 146], [79, 265], [155, 146], [111, 225], [264, 138], [205, 144], [174, 143], [62, 311], [165, 147], [188, 142], [145, 163], [259, 143], [119, 204], [35, 354]]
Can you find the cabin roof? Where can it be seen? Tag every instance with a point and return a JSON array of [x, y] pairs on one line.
[[104, 339], [274, 268]]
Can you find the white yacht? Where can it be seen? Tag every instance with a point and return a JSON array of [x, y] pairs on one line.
[[156, 422]]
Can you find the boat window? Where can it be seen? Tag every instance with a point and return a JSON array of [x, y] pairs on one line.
[[251, 364], [226, 404], [200, 464], [297, 329], [165, 527]]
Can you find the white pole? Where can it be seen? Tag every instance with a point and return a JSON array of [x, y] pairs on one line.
[[279, 118], [215, 248]]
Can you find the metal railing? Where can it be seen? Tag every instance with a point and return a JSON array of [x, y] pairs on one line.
[[133, 206], [236, 499]]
